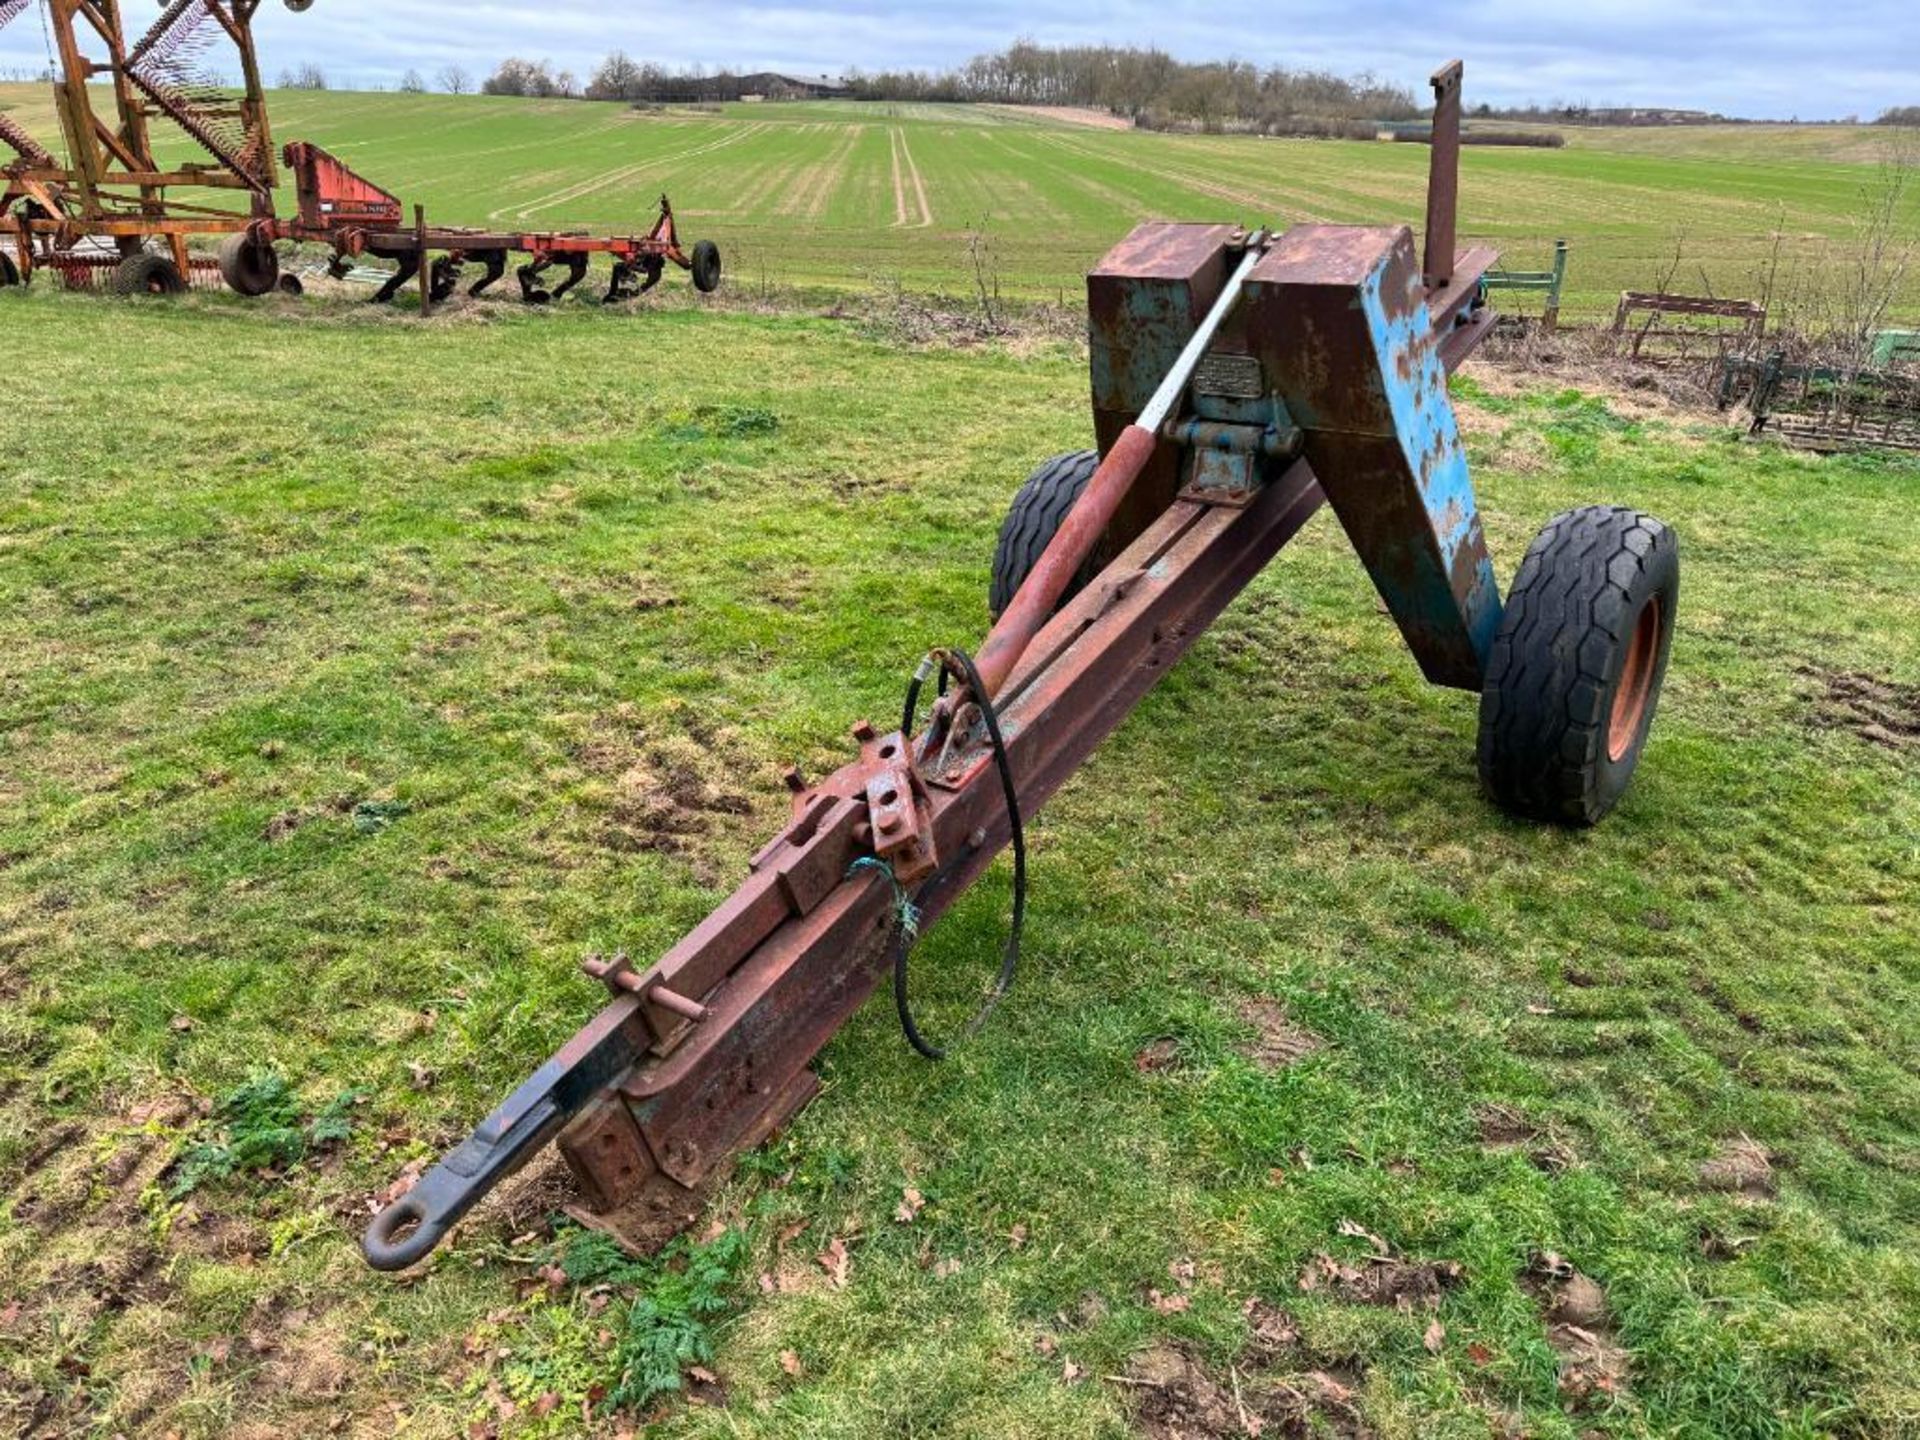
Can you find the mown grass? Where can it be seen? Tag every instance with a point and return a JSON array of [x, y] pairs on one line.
[[555, 595], [825, 194]]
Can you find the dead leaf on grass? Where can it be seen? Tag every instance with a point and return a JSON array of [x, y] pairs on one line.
[[836, 1262]]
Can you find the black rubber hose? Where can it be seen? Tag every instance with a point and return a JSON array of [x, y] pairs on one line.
[[959, 664]]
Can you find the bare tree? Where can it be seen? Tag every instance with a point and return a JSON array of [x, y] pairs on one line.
[[307, 77], [411, 83], [455, 80]]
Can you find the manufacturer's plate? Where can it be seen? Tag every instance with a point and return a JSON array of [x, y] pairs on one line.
[[1232, 377]]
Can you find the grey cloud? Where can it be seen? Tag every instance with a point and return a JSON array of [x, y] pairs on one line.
[[1805, 59]]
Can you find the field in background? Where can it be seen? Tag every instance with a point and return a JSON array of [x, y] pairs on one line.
[[340, 714], [844, 194]]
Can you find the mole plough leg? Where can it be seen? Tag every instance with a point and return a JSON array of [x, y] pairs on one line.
[[1239, 380]]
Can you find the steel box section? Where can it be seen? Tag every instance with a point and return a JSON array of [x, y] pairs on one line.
[[1339, 318], [1144, 301]]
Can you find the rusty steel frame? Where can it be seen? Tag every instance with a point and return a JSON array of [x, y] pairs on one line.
[[114, 189], [705, 1051]]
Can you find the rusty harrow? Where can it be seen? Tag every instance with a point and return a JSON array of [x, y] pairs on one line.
[[1240, 380]]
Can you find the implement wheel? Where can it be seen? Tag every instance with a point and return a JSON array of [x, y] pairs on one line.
[[249, 267], [1576, 669], [706, 267], [1032, 520], [144, 273], [9, 272]]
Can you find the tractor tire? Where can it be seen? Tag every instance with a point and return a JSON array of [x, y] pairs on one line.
[[706, 267], [9, 272], [1576, 668], [144, 273], [1032, 521], [248, 267]]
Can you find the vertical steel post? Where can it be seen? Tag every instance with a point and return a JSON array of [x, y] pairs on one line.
[[426, 279], [1443, 176]]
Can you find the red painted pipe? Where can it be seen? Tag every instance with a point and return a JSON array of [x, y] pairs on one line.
[[1039, 595]]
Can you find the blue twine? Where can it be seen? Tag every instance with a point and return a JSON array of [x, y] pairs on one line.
[[904, 909]]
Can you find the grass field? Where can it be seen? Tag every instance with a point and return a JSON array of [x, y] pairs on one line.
[[340, 714], [848, 194]]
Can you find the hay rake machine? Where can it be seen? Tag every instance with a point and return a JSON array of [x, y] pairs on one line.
[[1240, 380], [106, 216]]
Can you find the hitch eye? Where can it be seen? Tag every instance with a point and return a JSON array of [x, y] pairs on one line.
[[400, 1235]]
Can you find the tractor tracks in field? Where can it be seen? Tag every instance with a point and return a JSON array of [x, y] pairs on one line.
[[812, 189], [909, 190], [627, 172]]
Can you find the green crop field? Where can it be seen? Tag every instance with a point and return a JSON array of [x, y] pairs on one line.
[[358, 675], [855, 195]]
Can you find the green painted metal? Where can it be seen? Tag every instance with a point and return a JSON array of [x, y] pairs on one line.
[[1550, 281]]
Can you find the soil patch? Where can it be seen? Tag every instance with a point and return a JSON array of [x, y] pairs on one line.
[[1180, 1399], [1880, 712], [1277, 1042], [1740, 1167]]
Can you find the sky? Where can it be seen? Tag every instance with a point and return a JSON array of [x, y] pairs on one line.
[[1791, 58]]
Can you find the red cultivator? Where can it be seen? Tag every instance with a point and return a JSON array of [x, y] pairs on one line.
[[100, 213], [1240, 380]]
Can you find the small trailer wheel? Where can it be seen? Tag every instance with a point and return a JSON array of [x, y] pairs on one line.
[[1033, 519], [249, 267], [1576, 669], [9, 272], [706, 267], [144, 273]]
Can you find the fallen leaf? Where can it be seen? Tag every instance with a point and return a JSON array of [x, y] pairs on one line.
[[768, 1285], [908, 1210], [790, 1362], [1182, 1272], [943, 1268], [1169, 1304], [1479, 1354], [836, 1262], [1538, 1009], [181, 1023], [1435, 1337], [1017, 1236], [1046, 1344], [547, 1403], [1071, 1374], [423, 1076], [787, 1234], [703, 1375]]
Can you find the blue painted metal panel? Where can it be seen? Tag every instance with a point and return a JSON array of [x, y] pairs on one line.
[[1339, 318]]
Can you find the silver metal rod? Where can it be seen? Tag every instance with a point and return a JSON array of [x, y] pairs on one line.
[[1171, 388]]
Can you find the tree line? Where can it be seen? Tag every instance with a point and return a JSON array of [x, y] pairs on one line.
[[1150, 87]]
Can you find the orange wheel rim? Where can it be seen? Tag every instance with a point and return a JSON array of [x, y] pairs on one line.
[[1635, 690]]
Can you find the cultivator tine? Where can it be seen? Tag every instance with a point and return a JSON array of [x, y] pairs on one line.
[[494, 265], [633, 278], [444, 278], [576, 272], [409, 261], [529, 275]]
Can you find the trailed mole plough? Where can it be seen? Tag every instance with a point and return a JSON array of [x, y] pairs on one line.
[[1240, 380], [100, 212]]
